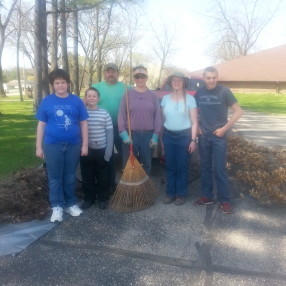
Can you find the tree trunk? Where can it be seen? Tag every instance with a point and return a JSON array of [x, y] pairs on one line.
[[98, 48], [75, 53], [2, 91], [65, 62], [18, 61], [100, 43], [38, 82], [45, 69], [83, 74], [90, 70], [160, 74], [18, 52], [3, 27], [99, 67], [54, 52]]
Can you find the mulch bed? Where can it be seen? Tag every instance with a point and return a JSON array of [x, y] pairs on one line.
[[261, 170], [24, 196]]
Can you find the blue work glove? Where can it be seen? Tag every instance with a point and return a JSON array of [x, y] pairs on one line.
[[125, 137], [154, 141]]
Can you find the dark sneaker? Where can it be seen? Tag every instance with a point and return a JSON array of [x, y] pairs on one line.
[[102, 205], [226, 207], [86, 204], [203, 201], [168, 200], [180, 201]]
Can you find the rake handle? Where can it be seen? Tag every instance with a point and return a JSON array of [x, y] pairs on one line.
[[129, 127]]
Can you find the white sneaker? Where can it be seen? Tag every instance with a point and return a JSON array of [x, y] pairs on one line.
[[57, 215], [73, 210]]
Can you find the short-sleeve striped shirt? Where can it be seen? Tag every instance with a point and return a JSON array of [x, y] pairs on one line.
[[98, 122]]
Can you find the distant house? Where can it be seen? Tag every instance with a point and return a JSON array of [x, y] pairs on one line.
[[264, 71], [13, 85]]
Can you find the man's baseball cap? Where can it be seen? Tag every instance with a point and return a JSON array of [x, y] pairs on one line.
[[111, 66]]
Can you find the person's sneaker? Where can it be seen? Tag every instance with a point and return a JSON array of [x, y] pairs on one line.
[[73, 210], [202, 201], [102, 205], [57, 215], [86, 204], [168, 200], [180, 201], [226, 207]]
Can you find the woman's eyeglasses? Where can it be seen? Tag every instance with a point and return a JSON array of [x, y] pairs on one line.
[[142, 76]]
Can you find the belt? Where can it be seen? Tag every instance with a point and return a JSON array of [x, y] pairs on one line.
[[142, 131], [177, 132]]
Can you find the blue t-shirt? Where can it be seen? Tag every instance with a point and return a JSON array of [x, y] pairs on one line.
[[62, 117], [177, 114], [213, 107]]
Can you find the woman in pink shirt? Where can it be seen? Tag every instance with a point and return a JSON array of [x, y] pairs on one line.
[[145, 120]]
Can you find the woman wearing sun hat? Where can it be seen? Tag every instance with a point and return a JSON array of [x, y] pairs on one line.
[[179, 137], [145, 120]]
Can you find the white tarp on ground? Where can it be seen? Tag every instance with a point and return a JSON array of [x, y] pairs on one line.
[[16, 237]]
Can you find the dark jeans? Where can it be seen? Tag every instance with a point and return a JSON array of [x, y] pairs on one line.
[[94, 172], [213, 158], [177, 161], [141, 149]]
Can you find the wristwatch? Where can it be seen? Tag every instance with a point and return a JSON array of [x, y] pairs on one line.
[[194, 140]]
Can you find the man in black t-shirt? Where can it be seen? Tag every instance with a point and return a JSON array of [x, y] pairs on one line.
[[213, 101]]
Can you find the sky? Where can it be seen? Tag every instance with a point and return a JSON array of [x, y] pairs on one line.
[[184, 17], [193, 31]]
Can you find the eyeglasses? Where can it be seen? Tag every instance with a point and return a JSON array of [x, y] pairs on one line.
[[142, 76]]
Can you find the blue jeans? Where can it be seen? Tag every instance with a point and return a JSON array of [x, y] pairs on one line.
[[177, 159], [213, 157], [141, 149], [62, 160]]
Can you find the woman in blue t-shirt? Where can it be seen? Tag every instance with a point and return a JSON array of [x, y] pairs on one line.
[[179, 111], [62, 127]]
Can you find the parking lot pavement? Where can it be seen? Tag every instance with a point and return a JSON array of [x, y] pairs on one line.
[[162, 245], [265, 130]]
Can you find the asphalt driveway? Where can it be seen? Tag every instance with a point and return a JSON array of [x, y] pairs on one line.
[[265, 130]]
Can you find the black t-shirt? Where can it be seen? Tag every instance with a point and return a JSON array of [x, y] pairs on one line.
[[213, 107]]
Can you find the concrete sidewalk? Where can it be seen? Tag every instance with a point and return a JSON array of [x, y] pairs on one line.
[[163, 245]]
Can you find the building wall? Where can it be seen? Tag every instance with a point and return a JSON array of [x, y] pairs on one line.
[[273, 87]]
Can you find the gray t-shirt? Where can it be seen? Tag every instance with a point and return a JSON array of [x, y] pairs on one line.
[[213, 107]]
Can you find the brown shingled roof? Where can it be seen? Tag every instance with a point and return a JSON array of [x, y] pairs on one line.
[[268, 65]]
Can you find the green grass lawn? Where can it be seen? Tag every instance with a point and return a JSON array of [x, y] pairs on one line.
[[15, 98], [265, 103], [17, 136]]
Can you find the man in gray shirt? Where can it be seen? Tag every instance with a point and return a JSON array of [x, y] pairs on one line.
[[213, 101]]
